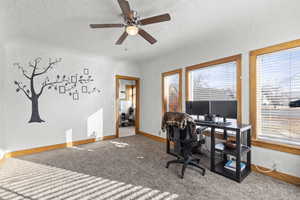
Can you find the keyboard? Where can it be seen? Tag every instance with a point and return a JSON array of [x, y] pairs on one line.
[[214, 123]]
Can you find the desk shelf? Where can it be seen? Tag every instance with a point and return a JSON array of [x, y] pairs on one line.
[[240, 150], [220, 169], [233, 152]]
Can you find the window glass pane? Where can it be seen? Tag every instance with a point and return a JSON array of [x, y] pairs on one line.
[[216, 82], [171, 91], [278, 84]]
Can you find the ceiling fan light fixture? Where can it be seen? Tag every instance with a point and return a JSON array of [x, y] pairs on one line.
[[132, 30], [132, 23]]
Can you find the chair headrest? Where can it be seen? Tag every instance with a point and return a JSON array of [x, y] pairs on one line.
[[178, 119]]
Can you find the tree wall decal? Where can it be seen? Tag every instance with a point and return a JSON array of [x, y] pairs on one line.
[[62, 83]]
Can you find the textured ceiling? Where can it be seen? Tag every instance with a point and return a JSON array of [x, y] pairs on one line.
[[65, 23]]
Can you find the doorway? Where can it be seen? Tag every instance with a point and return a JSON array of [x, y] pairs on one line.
[[127, 106]]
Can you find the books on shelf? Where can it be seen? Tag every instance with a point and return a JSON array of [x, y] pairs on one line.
[[231, 165]]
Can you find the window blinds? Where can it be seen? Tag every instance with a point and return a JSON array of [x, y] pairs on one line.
[[278, 83], [217, 82]]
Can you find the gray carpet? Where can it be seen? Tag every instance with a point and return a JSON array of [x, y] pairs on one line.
[[125, 168]]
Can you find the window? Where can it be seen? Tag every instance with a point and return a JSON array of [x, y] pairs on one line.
[[275, 92], [215, 80], [172, 91]]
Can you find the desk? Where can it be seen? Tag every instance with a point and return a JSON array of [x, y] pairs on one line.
[[240, 130]]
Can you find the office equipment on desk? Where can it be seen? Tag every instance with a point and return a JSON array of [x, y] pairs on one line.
[[219, 166], [211, 110], [184, 139], [225, 109], [197, 107], [214, 122], [188, 107]]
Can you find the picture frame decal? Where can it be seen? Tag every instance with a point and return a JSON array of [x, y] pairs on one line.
[[73, 79], [62, 89], [86, 71], [75, 96], [84, 89]]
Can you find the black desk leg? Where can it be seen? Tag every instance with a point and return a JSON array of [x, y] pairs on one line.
[[238, 155], [212, 149], [225, 138], [168, 146], [249, 152]]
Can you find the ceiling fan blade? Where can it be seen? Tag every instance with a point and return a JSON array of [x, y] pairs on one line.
[[147, 36], [124, 5], [106, 25], [156, 19], [122, 38]]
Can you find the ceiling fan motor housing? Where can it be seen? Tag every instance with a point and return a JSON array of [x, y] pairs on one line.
[[133, 19]]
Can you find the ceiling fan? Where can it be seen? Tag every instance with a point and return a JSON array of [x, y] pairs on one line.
[[132, 23]]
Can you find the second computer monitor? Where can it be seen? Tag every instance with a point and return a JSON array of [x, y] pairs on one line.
[[227, 109], [188, 107], [199, 107]]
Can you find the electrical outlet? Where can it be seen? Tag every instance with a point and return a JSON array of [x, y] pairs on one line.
[[274, 166]]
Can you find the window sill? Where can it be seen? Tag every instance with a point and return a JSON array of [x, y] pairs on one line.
[[276, 146]]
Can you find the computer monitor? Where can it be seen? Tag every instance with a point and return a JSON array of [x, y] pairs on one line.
[[197, 107], [188, 107], [226, 109]]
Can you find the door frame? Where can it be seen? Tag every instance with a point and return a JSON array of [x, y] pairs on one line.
[[117, 102], [169, 73]]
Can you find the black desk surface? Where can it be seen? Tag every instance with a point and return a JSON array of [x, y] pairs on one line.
[[231, 127]]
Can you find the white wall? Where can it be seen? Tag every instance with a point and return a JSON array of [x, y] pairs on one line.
[[2, 137], [92, 116], [271, 29]]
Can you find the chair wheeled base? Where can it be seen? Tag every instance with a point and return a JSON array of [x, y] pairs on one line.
[[190, 161]]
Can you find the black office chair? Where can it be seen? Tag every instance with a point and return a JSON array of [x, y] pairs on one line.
[[200, 140], [124, 121], [184, 141], [131, 117]]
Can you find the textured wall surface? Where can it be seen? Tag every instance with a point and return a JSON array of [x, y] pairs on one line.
[[66, 120]]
